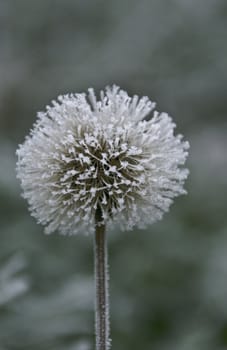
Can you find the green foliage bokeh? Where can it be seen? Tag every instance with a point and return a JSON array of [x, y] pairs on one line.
[[168, 283]]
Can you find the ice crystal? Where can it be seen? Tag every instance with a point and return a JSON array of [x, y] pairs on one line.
[[84, 154]]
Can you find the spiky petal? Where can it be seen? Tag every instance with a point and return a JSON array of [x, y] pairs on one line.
[[84, 154]]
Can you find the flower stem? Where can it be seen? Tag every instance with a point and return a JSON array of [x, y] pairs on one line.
[[101, 280]]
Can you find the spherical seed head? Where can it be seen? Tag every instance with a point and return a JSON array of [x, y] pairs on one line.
[[85, 155]]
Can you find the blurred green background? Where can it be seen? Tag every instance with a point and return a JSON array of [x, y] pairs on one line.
[[168, 284]]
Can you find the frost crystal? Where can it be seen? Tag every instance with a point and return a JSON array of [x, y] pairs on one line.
[[84, 154]]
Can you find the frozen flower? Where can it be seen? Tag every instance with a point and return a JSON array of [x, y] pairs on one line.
[[84, 154]]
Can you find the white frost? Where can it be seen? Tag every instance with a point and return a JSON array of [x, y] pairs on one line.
[[85, 153]]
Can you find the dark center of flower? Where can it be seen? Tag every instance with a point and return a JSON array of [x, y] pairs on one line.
[[100, 174]]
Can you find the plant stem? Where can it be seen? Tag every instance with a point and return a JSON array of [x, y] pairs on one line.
[[101, 280]]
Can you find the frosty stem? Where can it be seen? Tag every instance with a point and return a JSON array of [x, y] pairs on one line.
[[101, 280]]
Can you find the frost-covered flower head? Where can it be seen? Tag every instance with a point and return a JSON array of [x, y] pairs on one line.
[[85, 155]]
